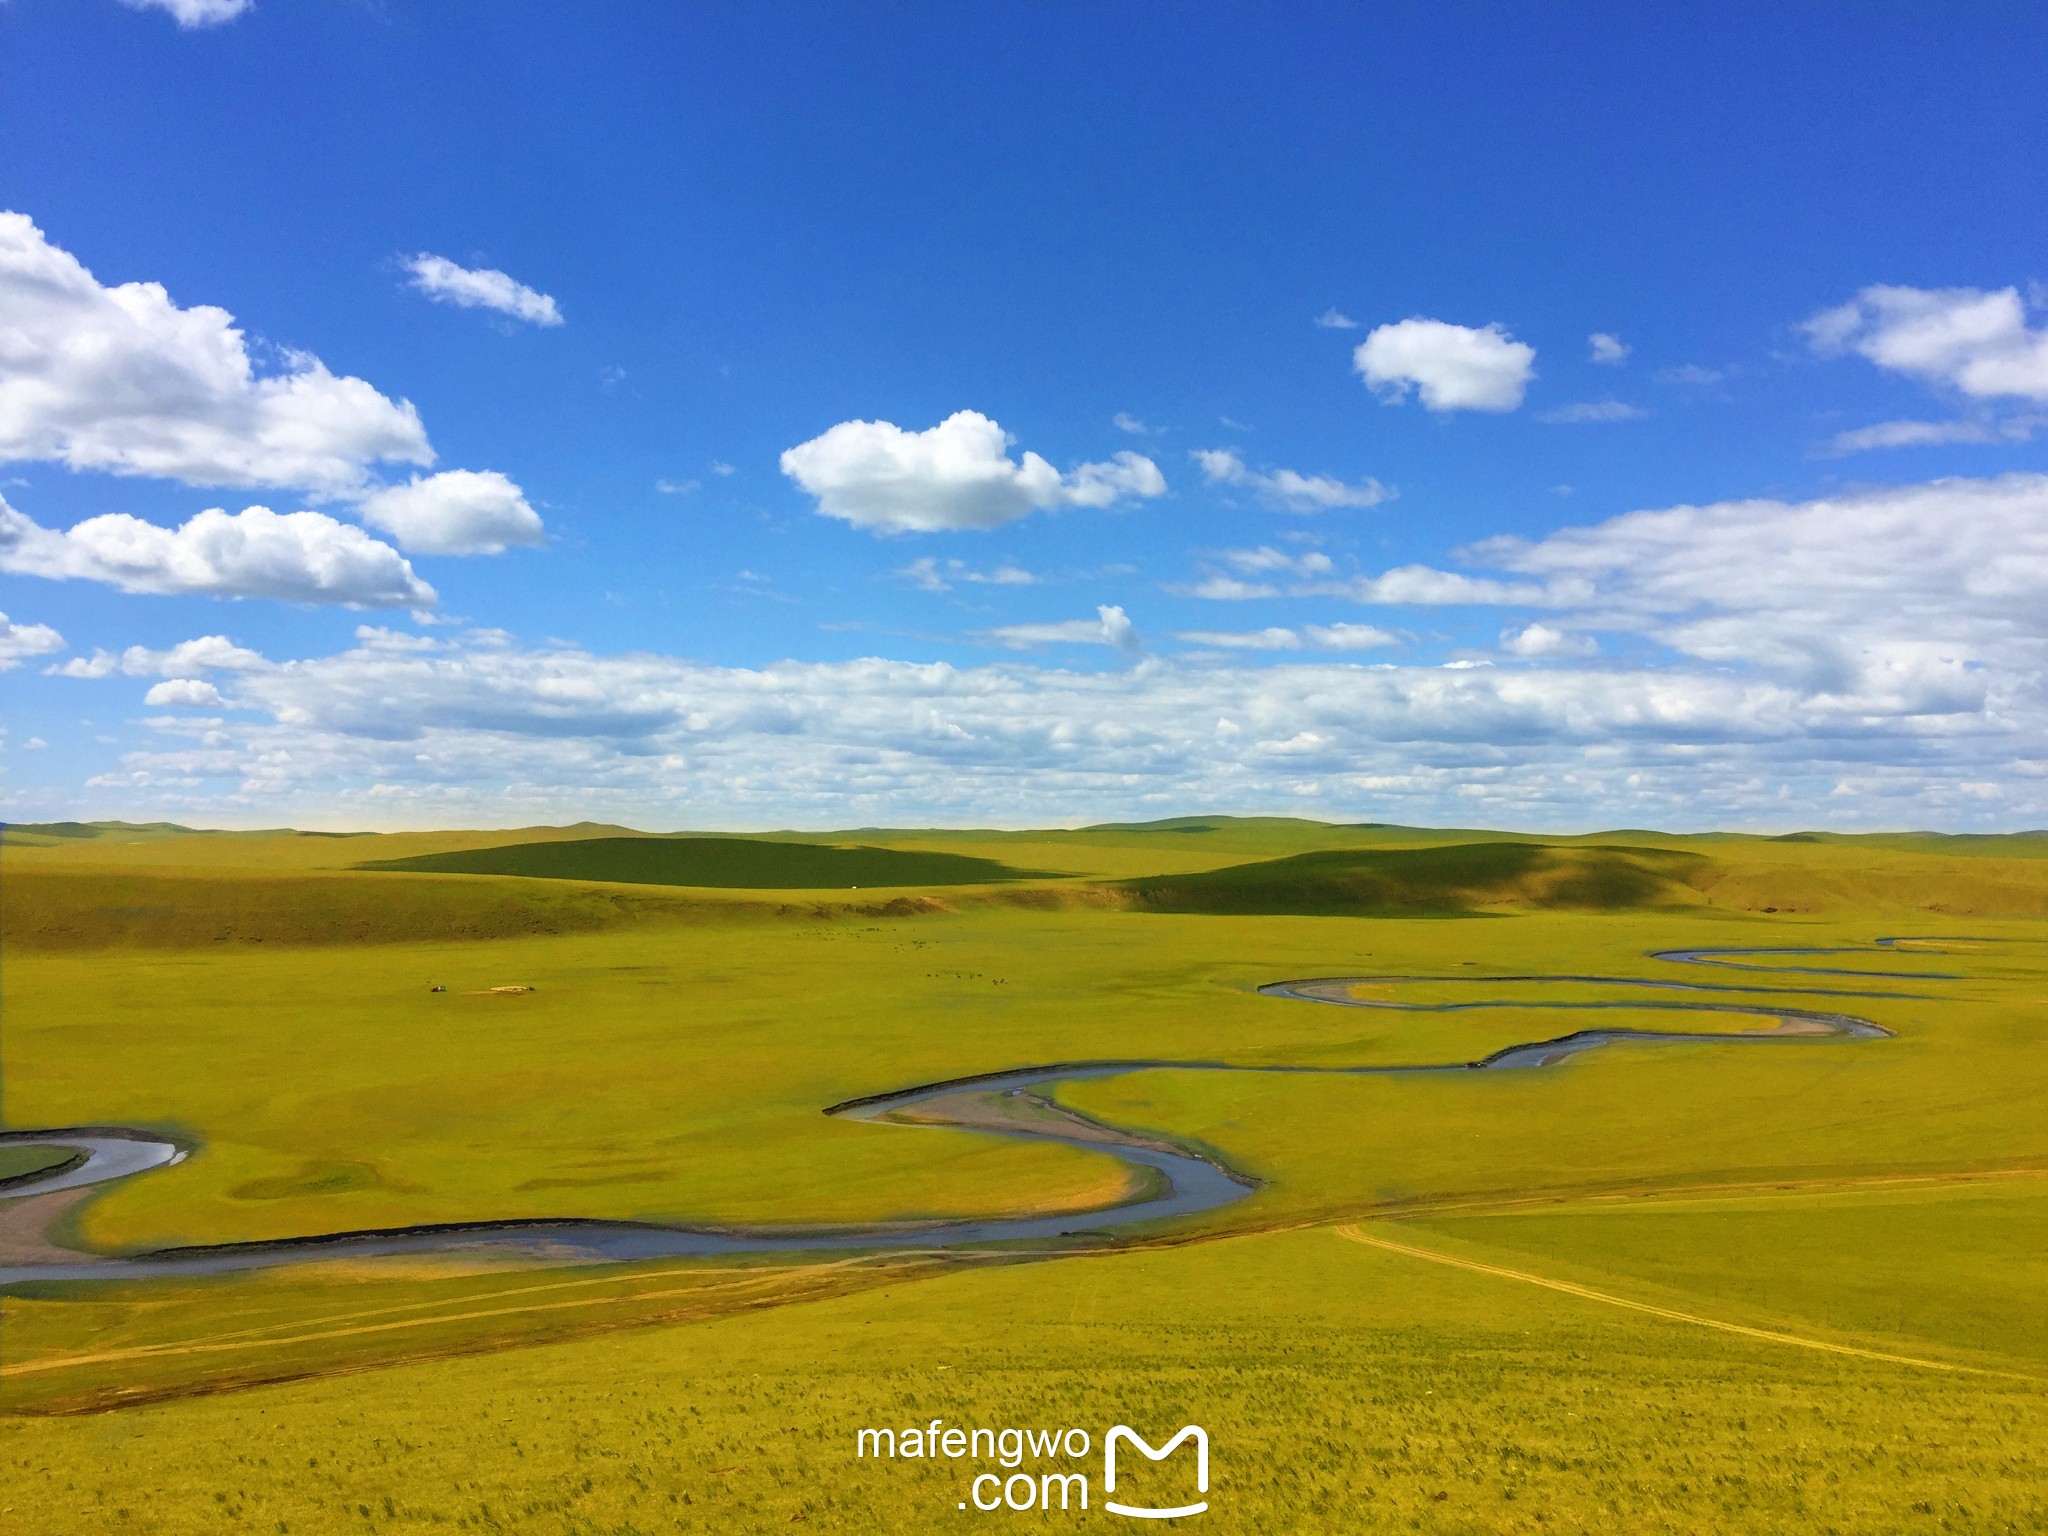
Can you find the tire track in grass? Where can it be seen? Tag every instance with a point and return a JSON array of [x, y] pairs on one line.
[[1356, 1234], [243, 1339]]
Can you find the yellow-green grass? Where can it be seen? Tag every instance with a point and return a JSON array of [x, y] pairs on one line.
[[1950, 1264], [1343, 1387], [75, 1348], [672, 1062], [1959, 1088], [679, 1072]]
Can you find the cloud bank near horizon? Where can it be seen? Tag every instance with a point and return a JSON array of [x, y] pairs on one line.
[[1752, 674]]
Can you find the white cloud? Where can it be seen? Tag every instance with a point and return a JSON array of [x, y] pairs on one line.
[[298, 557], [1110, 627], [1348, 637], [1694, 374], [1425, 586], [1320, 637], [123, 380], [188, 658], [1315, 575], [1271, 639], [1124, 421], [1252, 562], [457, 512], [1456, 367], [1538, 641], [188, 692], [1334, 319], [1263, 561], [480, 288], [1287, 489], [1925, 599], [1606, 347], [679, 487], [190, 14], [18, 642], [1224, 589], [939, 575], [720, 468], [1970, 339], [958, 474], [479, 731], [1892, 642], [1105, 484], [1923, 434], [1581, 411]]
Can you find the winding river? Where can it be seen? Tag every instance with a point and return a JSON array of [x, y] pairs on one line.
[[1177, 1181]]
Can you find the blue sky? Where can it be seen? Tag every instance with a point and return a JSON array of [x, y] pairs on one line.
[[635, 501]]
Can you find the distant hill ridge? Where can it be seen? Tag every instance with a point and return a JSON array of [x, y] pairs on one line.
[[724, 862], [1190, 826]]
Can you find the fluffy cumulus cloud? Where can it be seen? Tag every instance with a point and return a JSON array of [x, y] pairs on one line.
[[1539, 640], [445, 282], [1287, 489], [1605, 347], [457, 512], [1111, 626], [186, 692], [187, 659], [297, 557], [193, 14], [18, 642], [1348, 637], [1452, 367], [1967, 339], [958, 474], [123, 380]]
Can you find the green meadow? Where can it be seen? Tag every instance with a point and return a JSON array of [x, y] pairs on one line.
[[1782, 1285]]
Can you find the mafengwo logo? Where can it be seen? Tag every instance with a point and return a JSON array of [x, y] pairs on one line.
[[1072, 1453], [1129, 1436]]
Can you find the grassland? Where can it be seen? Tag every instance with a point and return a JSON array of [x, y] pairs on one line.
[[18, 1162], [269, 1002]]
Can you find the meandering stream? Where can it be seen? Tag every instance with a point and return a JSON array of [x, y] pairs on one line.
[[1178, 1182]]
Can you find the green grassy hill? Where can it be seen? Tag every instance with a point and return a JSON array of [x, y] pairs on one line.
[[1458, 878]]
